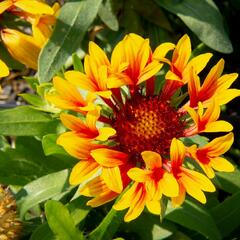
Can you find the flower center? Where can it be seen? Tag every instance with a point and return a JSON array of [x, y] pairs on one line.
[[147, 123]]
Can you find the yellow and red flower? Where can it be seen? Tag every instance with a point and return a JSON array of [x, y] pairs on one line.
[[139, 137]]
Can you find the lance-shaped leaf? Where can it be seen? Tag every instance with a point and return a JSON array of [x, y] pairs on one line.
[[74, 20]]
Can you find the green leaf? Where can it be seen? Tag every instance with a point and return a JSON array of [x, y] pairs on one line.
[[108, 16], [77, 63], [22, 165], [43, 232], [26, 121], [61, 222], [204, 19], [33, 99], [73, 21], [148, 227], [50, 146], [229, 182], [193, 216], [108, 226], [227, 214], [41, 190], [196, 139], [78, 209], [152, 12]]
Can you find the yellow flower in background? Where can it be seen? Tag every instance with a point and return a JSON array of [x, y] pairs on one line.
[[26, 48], [21, 46], [29, 6], [42, 24], [4, 71], [136, 139]]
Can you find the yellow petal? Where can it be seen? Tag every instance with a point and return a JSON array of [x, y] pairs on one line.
[[199, 179], [210, 83], [98, 54], [219, 126], [3, 69], [21, 46], [118, 80], [172, 76], [150, 70], [68, 92], [127, 198], [136, 207], [199, 62], [182, 53], [219, 145], [177, 201], [4, 5], [226, 96], [225, 81], [108, 157], [162, 50], [102, 198], [105, 133], [207, 169], [74, 145], [34, 7], [104, 94], [80, 80], [192, 114], [139, 175], [72, 122], [152, 159], [143, 54], [83, 171], [92, 117], [177, 152], [112, 178], [193, 189], [222, 165], [169, 185], [154, 206]]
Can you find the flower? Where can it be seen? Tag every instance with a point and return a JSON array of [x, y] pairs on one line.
[[207, 121], [209, 158], [29, 6], [135, 143], [149, 185]]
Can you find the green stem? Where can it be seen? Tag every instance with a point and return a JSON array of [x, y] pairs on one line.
[[108, 226], [201, 48]]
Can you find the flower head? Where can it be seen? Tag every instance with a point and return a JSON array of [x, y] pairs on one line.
[[136, 144]]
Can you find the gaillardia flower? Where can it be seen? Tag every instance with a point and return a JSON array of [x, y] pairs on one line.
[[132, 142]]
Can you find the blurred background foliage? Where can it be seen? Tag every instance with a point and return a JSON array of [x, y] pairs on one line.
[[37, 169]]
